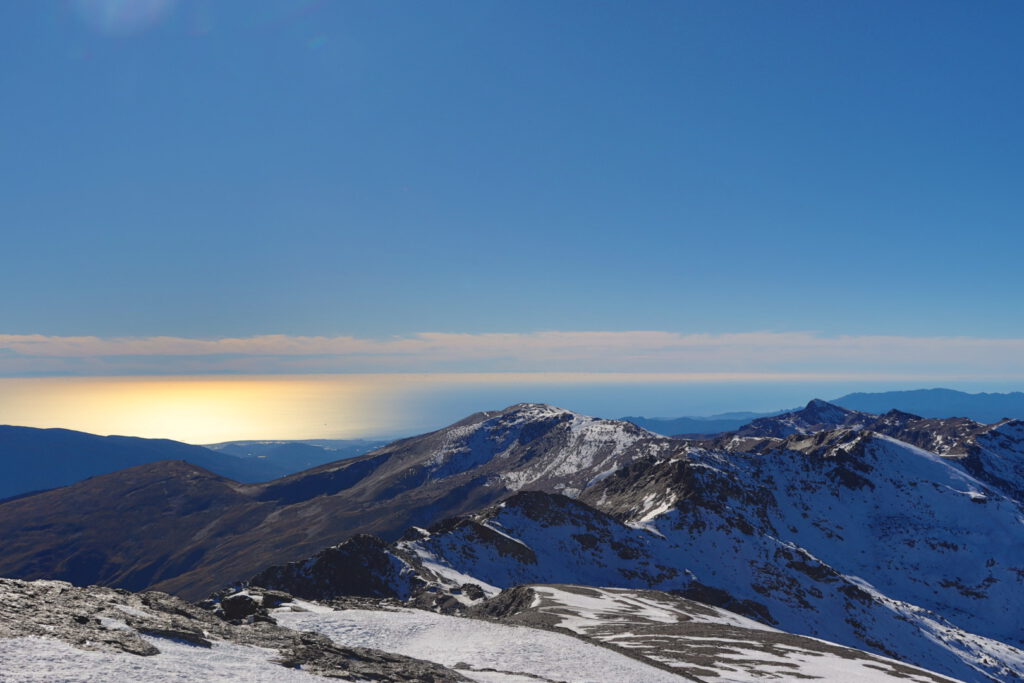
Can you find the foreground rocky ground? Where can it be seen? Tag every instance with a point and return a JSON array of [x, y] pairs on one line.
[[38, 617]]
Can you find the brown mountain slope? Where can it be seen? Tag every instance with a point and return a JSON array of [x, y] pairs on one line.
[[178, 528], [131, 528]]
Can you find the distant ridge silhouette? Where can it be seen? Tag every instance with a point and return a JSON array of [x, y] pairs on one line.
[[982, 407]]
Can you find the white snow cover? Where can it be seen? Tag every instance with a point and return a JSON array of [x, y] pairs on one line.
[[587, 449], [624, 618], [45, 660], [593, 446], [810, 665], [480, 644]]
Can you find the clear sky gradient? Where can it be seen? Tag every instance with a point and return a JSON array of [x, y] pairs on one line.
[[215, 170], [379, 168]]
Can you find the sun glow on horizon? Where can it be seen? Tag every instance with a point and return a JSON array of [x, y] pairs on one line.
[[196, 409], [210, 409]]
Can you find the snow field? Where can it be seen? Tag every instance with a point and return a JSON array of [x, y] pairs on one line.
[[510, 650], [45, 660]]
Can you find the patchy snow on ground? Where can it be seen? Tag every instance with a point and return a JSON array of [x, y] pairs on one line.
[[512, 653], [605, 606], [809, 665], [709, 643]]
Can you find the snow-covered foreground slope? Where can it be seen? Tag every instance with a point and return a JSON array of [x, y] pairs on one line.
[[479, 650], [623, 636], [48, 660]]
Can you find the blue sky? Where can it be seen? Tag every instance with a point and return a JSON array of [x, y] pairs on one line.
[[373, 170]]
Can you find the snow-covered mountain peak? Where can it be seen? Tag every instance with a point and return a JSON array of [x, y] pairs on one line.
[[530, 445], [537, 411], [526, 413], [814, 417]]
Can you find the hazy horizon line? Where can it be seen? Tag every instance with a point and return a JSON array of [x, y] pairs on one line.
[[801, 355]]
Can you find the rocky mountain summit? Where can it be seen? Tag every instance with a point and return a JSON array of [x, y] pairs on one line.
[[816, 416]]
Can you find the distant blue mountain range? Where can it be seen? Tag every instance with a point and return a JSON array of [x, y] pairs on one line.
[[985, 408], [36, 459], [982, 407]]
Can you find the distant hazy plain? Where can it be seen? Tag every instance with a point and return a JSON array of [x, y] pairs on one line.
[[208, 409]]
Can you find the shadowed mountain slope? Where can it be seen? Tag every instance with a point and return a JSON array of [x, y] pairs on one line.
[[282, 458], [39, 459], [184, 530]]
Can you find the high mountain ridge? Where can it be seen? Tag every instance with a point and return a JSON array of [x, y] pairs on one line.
[[224, 530], [893, 534], [816, 416], [934, 403], [924, 562]]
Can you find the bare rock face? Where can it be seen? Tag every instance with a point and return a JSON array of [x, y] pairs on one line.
[[362, 566], [134, 624]]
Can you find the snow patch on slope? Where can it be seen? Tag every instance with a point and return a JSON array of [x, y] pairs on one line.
[[514, 650]]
